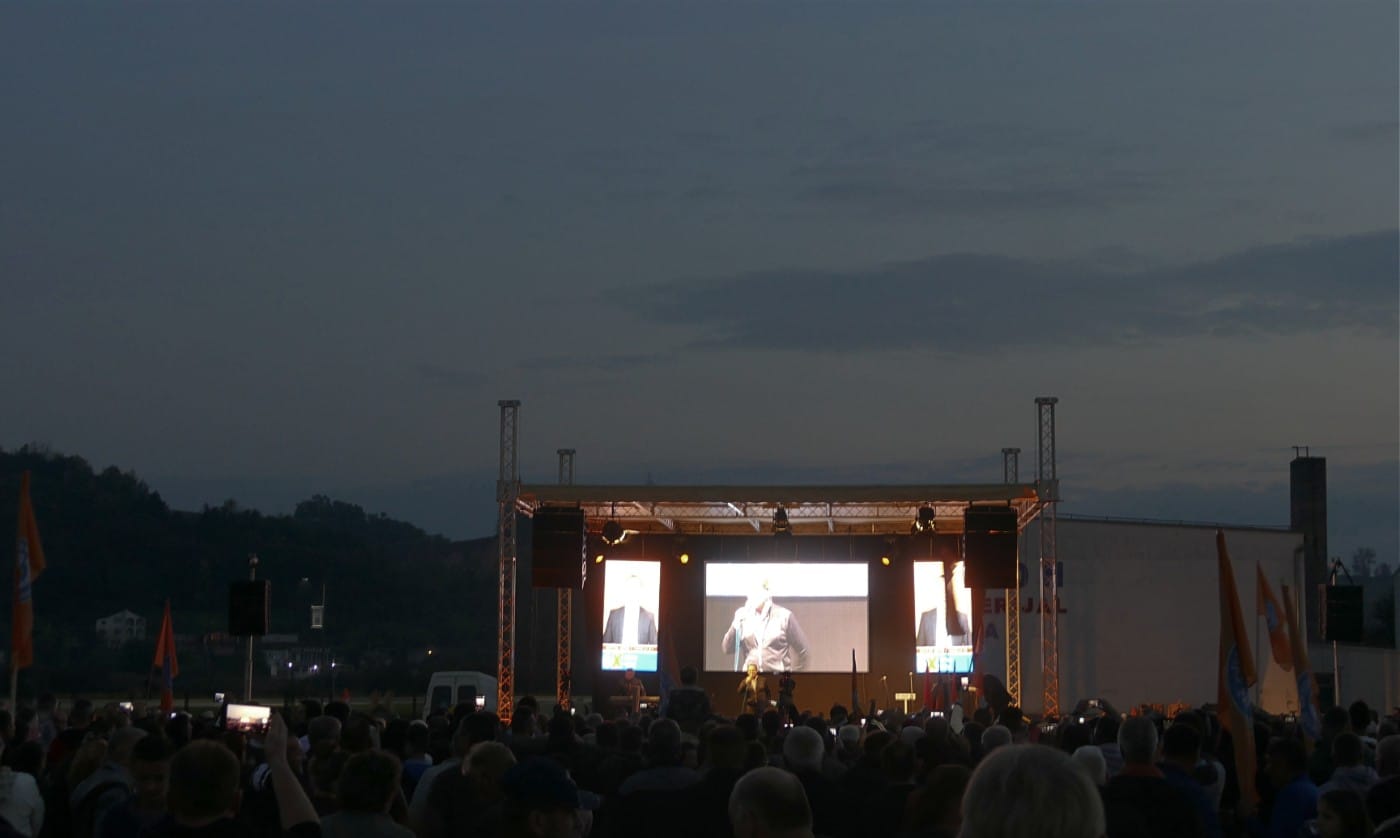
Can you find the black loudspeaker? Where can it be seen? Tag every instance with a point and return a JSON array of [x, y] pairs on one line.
[[989, 546], [1342, 614], [560, 544], [248, 606]]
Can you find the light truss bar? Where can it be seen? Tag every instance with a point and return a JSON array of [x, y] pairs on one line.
[[564, 611], [507, 496], [1010, 467], [1047, 486]]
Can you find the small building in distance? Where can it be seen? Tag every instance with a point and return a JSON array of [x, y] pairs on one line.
[[121, 628]]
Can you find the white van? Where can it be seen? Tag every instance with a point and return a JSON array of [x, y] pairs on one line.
[[448, 689]]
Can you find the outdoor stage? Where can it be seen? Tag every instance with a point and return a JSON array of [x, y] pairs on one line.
[[843, 560]]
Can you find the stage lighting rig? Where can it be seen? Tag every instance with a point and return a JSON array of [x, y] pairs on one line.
[[780, 522], [613, 533], [925, 522]]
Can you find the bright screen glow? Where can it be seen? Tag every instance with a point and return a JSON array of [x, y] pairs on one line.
[[787, 616], [940, 647], [631, 614]]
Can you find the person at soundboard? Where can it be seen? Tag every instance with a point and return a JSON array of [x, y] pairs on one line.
[[632, 691], [766, 635], [631, 625], [753, 691]]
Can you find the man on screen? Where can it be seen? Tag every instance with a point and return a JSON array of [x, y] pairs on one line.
[[765, 635], [631, 625], [934, 628]]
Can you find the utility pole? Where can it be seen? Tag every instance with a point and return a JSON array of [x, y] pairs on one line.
[[248, 663]]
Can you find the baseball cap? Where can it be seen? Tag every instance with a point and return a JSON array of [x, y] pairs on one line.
[[540, 783]]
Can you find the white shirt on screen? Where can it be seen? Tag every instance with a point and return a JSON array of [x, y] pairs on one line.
[[629, 625]]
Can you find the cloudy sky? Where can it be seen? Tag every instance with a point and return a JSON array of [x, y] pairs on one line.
[[261, 251]]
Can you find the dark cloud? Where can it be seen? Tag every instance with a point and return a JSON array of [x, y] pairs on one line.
[[1380, 130], [449, 377], [591, 363], [959, 304]]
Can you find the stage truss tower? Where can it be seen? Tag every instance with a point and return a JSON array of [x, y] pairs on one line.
[[1048, 488], [507, 494], [1010, 468], [564, 669]]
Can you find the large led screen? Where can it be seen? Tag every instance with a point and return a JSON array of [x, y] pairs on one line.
[[631, 614], [943, 635], [786, 617]]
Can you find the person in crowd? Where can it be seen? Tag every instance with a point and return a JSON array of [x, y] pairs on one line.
[[1090, 759], [1335, 722], [150, 772], [994, 737], [1026, 790], [21, 803], [324, 761], [688, 705], [769, 803], [725, 751], [1383, 800], [461, 743], [110, 785], [935, 808], [631, 624], [848, 745], [767, 635], [1106, 738], [469, 801], [1295, 802], [416, 761], [1139, 801], [205, 792], [369, 785], [1341, 813], [803, 752], [1364, 726], [1181, 754], [664, 770], [1349, 773], [542, 801], [883, 812]]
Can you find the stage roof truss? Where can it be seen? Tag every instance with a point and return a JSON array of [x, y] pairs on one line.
[[811, 510]]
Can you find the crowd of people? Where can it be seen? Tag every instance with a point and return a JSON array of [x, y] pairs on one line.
[[685, 770]]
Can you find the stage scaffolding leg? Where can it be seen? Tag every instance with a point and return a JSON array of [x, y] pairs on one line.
[[1047, 486], [1010, 473], [564, 669], [507, 492]]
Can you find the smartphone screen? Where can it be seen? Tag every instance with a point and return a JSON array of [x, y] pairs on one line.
[[248, 718]]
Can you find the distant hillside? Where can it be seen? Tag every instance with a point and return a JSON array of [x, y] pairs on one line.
[[113, 543]]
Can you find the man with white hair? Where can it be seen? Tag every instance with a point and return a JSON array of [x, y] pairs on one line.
[[995, 737], [803, 755], [1090, 759], [1139, 800], [1022, 790], [770, 803]]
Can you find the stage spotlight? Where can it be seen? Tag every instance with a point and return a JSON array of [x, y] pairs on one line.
[[780, 522], [925, 522], [613, 533], [685, 558], [885, 560], [598, 559]]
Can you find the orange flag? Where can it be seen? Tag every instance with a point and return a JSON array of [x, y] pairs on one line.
[[1268, 608], [1309, 718], [29, 563], [166, 660], [1235, 675]]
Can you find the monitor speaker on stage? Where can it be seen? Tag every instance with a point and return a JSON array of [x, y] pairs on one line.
[[249, 602], [989, 546], [1342, 614], [560, 544]]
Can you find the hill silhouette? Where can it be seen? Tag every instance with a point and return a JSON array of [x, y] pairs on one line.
[[112, 543]]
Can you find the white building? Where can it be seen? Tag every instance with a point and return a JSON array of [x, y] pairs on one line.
[[120, 629]]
